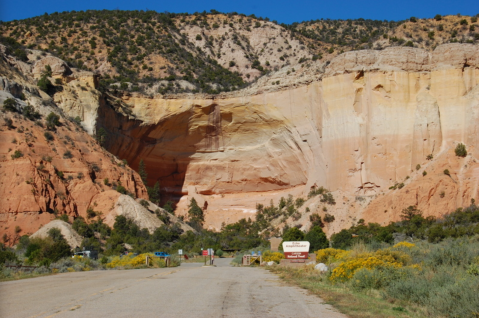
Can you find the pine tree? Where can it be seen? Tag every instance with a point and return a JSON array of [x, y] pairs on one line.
[[142, 171], [316, 238], [195, 212], [154, 193]]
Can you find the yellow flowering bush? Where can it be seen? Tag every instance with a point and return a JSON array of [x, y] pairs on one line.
[[404, 244], [77, 258], [129, 261], [346, 269], [330, 255], [273, 256], [392, 256]]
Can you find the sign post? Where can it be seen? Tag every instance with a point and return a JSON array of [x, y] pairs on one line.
[[205, 253], [296, 250], [180, 252]]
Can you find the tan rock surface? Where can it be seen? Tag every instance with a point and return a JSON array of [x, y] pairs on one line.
[[70, 235], [372, 118], [58, 66]]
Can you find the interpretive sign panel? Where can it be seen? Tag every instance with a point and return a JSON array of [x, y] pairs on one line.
[[296, 250]]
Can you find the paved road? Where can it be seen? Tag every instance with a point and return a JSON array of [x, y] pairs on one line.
[[187, 291]]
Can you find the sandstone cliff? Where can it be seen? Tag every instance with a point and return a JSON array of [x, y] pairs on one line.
[[355, 125], [356, 128]]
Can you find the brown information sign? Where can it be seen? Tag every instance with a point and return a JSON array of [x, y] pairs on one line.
[[296, 250]]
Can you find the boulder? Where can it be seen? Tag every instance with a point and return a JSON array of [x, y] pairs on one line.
[[321, 267], [59, 67]]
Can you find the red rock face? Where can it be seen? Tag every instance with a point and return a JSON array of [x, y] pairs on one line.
[[44, 182]]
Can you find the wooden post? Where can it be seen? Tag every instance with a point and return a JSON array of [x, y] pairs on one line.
[[147, 260]]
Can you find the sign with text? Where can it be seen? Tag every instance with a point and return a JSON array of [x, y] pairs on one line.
[[180, 252], [205, 252], [296, 250]]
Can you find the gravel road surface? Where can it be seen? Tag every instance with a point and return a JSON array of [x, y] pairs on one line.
[[186, 291]]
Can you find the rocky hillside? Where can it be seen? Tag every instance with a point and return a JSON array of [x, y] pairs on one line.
[[359, 34], [378, 128], [212, 52]]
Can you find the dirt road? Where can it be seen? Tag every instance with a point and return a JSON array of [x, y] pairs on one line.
[[187, 291]]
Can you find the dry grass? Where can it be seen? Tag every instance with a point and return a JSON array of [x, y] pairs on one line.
[[21, 275], [353, 304]]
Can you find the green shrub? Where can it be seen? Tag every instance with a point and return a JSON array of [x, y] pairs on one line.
[[52, 121], [30, 113], [144, 203], [17, 154], [10, 105], [293, 234], [121, 189], [328, 198], [461, 150], [48, 136], [7, 255], [299, 202], [317, 238], [328, 218], [67, 154], [44, 84]]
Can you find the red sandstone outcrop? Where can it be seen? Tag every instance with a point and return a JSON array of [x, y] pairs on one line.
[[64, 173]]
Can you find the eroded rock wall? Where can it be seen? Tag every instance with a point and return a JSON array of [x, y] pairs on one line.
[[365, 125]]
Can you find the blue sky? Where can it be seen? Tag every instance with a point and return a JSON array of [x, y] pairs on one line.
[[280, 10]]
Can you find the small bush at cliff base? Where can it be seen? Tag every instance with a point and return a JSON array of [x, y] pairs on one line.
[[44, 84], [6, 254], [10, 105], [461, 150], [48, 136], [17, 154], [121, 189], [30, 113], [52, 121], [67, 155], [328, 218]]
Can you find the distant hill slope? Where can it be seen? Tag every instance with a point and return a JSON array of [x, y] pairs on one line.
[[211, 52]]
